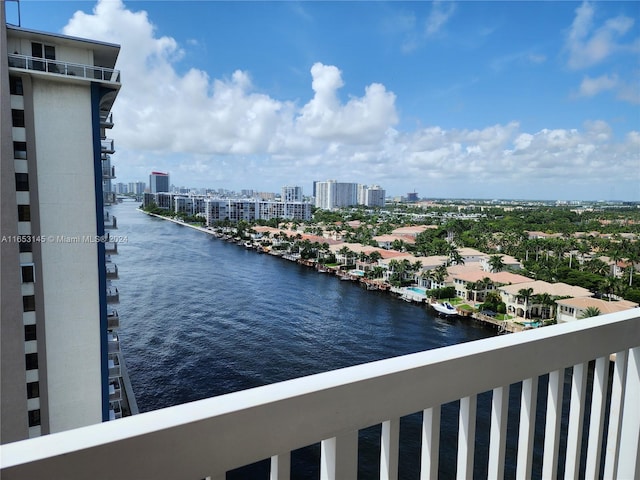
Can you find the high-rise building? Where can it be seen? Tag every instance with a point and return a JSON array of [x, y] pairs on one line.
[[137, 188], [56, 322], [412, 197], [332, 194], [291, 194], [158, 182], [373, 196]]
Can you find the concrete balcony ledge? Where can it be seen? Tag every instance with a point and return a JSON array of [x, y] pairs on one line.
[[57, 67], [207, 438]]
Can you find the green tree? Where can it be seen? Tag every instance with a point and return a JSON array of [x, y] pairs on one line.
[[496, 263], [526, 294], [590, 312]]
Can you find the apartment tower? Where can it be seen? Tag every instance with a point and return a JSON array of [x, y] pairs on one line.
[[56, 324], [158, 182]]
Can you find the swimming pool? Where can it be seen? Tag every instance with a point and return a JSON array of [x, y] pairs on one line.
[[418, 290]]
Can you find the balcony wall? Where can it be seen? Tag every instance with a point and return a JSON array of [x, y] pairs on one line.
[[56, 67], [210, 437]]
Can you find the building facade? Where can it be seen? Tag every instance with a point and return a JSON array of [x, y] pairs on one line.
[[374, 196], [291, 194], [158, 182], [57, 93], [332, 194], [235, 210]]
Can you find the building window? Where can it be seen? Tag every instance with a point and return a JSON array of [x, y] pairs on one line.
[[17, 117], [24, 213], [25, 246], [34, 418], [31, 361], [22, 182], [15, 86], [48, 52], [28, 273], [29, 333], [20, 150], [33, 389], [29, 303]]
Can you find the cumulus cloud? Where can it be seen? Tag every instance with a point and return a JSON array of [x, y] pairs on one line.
[[224, 132]]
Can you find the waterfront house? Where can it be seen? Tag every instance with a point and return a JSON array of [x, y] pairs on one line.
[[472, 284], [529, 306], [570, 309]]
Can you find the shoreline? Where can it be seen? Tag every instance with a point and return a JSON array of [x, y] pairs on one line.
[[502, 326]]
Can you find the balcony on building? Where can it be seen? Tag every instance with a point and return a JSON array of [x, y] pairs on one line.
[[110, 222], [111, 248], [115, 410], [109, 198], [113, 296], [66, 69], [112, 271], [113, 319], [108, 172], [113, 342], [113, 362], [107, 146], [106, 119], [588, 372], [115, 390]]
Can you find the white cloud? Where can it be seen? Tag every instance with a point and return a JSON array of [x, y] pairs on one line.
[[592, 86], [223, 132], [440, 14], [588, 46]]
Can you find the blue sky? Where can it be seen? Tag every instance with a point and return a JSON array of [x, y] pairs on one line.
[[535, 100]]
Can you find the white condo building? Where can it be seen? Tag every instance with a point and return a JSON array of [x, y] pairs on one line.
[[291, 194], [373, 196], [58, 340], [332, 194]]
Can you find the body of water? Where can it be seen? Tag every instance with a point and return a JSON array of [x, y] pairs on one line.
[[202, 317]]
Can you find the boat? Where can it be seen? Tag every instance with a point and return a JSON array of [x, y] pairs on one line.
[[444, 308]]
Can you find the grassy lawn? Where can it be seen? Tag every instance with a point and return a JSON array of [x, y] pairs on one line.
[[453, 301], [466, 308]]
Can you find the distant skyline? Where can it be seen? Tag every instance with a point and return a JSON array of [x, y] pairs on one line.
[[527, 100]]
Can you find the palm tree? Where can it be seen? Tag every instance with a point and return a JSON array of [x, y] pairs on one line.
[[525, 294], [472, 287], [440, 274], [454, 255], [496, 263], [610, 285], [427, 275], [377, 272], [545, 300], [590, 312], [633, 256], [344, 252], [375, 256]]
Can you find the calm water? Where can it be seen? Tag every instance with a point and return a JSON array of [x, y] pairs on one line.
[[202, 317]]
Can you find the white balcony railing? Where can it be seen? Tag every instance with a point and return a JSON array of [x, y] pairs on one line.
[[89, 72], [210, 437]]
